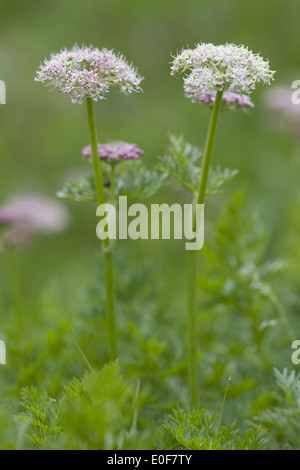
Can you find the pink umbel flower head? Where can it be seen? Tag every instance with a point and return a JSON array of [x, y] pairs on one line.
[[87, 72], [27, 215], [115, 151], [228, 98], [209, 68], [285, 113], [280, 99]]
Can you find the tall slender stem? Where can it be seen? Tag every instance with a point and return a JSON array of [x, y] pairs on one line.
[[209, 147], [17, 295], [108, 262], [192, 332], [96, 159], [192, 277], [113, 182], [110, 304]]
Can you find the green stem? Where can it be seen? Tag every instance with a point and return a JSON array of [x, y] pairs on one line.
[[113, 196], [110, 305], [17, 295], [192, 277], [221, 412], [192, 334], [282, 313], [108, 262], [96, 159], [113, 182], [209, 147]]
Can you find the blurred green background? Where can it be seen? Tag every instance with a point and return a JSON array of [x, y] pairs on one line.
[[42, 133]]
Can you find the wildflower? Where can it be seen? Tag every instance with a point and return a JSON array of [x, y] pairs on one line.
[[214, 75], [286, 117], [88, 72], [115, 151], [28, 215], [228, 99], [227, 67], [280, 99]]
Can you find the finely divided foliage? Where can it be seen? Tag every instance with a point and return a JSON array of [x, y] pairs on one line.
[[87, 72], [127, 404], [211, 68]]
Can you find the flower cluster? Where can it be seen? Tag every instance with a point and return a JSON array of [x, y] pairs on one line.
[[213, 68], [228, 98], [115, 151], [280, 99], [27, 215], [285, 115], [88, 72]]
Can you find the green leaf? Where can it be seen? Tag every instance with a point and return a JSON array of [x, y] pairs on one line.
[[82, 190], [183, 164], [133, 180]]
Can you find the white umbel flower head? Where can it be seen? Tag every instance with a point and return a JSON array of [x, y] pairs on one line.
[[209, 68], [87, 72]]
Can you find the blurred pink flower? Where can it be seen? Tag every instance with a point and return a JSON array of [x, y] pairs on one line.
[[280, 99], [229, 98], [28, 215], [285, 114]]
